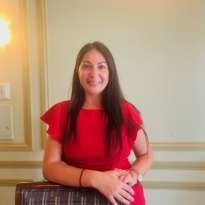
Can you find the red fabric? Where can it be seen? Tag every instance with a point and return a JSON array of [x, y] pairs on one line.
[[88, 151]]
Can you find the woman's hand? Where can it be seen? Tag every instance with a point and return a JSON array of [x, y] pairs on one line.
[[114, 189], [129, 178]]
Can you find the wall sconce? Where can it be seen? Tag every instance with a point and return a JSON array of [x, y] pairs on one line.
[[5, 33]]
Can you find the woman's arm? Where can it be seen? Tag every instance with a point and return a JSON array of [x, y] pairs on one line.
[[142, 164], [143, 152], [54, 169], [108, 182]]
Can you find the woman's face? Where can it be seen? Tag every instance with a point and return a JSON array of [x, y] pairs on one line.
[[93, 73]]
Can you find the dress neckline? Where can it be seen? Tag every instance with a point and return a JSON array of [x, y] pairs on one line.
[[92, 109]]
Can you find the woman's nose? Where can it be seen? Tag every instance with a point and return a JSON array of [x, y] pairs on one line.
[[94, 71]]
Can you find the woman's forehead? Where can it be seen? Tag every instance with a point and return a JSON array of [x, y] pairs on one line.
[[94, 56]]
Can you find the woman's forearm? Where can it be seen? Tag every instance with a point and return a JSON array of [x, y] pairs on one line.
[[144, 162], [62, 173]]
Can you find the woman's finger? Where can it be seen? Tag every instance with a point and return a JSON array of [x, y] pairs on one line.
[[125, 179], [128, 188], [128, 179], [120, 172], [126, 195], [121, 178], [121, 199], [113, 201]]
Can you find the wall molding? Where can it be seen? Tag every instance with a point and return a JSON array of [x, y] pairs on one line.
[[173, 165], [27, 144], [43, 65], [194, 185], [179, 165], [147, 184], [20, 164], [13, 181], [179, 146]]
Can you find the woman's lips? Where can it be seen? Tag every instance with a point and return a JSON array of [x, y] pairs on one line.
[[93, 83]]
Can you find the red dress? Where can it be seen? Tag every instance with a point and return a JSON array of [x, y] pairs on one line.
[[88, 151]]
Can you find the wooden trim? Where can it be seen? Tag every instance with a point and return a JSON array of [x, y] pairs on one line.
[[13, 181], [27, 144], [179, 146], [173, 165], [194, 185], [43, 71], [174, 185], [20, 164], [179, 165]]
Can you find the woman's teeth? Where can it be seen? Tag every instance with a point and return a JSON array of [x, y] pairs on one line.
[[93, 83]]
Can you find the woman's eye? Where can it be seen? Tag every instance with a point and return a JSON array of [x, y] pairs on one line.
[[86, 66], [101, 66]]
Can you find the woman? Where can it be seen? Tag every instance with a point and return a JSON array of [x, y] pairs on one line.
[[91, 136]]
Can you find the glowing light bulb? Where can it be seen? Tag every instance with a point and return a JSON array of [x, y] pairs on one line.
[[5, 34]]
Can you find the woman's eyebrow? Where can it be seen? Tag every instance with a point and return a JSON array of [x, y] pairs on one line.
[[86, 61], [102, 62]]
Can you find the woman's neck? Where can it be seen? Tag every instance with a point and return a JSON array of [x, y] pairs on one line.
[[92, 102]]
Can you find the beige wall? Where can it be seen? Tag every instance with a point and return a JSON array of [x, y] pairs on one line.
[[159, 49], [20, 64]]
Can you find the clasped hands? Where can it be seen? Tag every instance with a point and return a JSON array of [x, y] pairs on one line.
[[116, 185]]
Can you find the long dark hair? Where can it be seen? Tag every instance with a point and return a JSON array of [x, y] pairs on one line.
[[111, 98]]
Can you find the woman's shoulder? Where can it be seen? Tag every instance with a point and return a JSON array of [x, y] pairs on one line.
[[130, 112], [55, 117], [57, 110], [129, 107], [61, 105]]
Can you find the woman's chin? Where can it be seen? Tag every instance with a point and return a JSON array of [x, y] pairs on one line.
[[94, 92]]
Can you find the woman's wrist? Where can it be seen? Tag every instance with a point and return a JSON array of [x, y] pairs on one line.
[[81, 176], [133, 173], [94, 179], [89, 178], [136, 174]]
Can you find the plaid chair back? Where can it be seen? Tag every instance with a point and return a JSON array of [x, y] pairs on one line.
[[47, 193]]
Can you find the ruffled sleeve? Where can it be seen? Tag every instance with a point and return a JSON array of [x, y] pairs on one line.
[[56, 117], [133, 121]]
